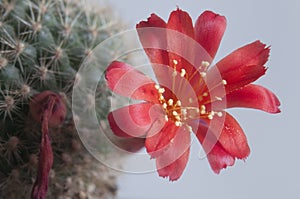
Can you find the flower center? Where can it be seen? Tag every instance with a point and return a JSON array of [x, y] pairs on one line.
[[172, 108], [178, 113], [174, 111]]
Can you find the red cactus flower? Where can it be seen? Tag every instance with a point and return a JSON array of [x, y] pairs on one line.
[[191, 93]]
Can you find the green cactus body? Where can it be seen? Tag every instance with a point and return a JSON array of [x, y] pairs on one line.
[[42, 45]]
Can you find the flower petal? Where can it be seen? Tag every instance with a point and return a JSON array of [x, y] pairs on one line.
[[217, 156], [159, 137], [255, 53], [127, 81], [173, 161], [152, 35], [254, 96], [175, 169], [181, 43], [231, 137], [219, 159], [181, 21], [241, 67], [209, 30], [134, 120]]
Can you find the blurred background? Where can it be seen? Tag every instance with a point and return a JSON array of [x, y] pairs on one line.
[[272, 169]]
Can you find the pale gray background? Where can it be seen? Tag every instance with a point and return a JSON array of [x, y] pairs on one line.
[[272, 170]]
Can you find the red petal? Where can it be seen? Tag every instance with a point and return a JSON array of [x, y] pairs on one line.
[[255, 53], [173, 161], [209, 30], [219, 159], [134, 120], [181, 21], [241, 67], [254, 96], [217, 156], [152, 35], [231, 137], [127, 81], [152, 21], [175, 169], [181, 43], [160, 136]]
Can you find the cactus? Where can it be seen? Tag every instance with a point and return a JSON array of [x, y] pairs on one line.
[[42, 45]]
